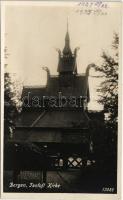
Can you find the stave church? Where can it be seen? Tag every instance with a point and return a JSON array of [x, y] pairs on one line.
[[53, 130]]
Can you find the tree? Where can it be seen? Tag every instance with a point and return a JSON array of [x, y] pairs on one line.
[[109, 87], [10, 109], [11, 100], [108, 97]]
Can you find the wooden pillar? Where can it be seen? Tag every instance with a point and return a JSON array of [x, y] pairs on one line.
[[44, 170], [84, 162], [65, 162], [44, 176]]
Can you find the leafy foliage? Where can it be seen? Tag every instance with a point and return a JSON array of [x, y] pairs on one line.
[[10, 108], [105, 136], [11, 101], [109, 87]]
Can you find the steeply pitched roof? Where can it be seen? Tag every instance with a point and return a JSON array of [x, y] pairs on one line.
[[79, 88], [67, 49], [54, 119], [33, 91]]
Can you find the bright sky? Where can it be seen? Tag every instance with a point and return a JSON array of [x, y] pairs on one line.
[[33, 32]]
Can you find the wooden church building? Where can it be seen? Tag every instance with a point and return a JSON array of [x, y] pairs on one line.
[[53, 126]]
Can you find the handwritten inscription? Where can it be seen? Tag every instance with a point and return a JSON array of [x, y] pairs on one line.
[[92, 8], [97, 4]]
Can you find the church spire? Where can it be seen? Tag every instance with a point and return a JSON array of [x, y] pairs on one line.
[[67, 49], [67, 60]]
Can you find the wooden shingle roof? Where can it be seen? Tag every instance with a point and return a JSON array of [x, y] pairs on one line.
[[79, 88], [54, 119], [42, 118]]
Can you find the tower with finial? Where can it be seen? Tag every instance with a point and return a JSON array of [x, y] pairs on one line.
[[67, 66], [67, 50]]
